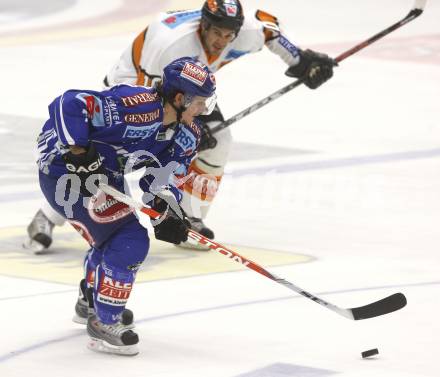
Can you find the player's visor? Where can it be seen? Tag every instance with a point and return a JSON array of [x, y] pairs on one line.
[[200, 105]]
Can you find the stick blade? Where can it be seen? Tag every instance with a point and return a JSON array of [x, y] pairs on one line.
[[387, 305]]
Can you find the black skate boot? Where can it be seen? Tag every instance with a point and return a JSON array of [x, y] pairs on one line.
[[82, 305], [198, 226], [40, 233], [115, 338]]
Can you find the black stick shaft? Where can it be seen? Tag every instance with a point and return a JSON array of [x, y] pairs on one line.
[[410, 16]]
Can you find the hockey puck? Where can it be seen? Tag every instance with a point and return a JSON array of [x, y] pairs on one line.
[[369, 353]]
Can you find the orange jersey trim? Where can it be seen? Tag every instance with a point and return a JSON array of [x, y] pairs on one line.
[[266, 17], [136, 53]]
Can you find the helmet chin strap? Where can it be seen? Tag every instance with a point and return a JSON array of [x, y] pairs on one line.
[[179, 111]]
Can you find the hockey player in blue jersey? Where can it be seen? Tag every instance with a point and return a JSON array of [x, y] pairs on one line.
[[94, 137], [218, 34]]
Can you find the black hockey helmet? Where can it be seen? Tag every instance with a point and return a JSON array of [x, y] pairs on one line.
[[226, 14]]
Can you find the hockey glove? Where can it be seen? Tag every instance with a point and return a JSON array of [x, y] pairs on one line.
[[207, 140], [171, 228], [315, 68], [86, 165]]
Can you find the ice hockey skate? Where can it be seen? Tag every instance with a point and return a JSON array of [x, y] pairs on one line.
[[116, 338], [84, 310], [199, 226], [40, 233]]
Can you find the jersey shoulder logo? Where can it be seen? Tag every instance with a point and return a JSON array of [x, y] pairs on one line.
[[93, 108], [176, 19]]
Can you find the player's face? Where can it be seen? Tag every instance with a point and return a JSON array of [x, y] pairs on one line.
[[198, 106], [215, 39]]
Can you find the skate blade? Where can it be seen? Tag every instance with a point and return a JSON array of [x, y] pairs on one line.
[[192, 246], [34, 246], [99, 345]]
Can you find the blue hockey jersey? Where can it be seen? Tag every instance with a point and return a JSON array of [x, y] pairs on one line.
[[123, 122]]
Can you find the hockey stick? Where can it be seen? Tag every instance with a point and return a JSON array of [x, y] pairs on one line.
[[387, 305], [416, 11]]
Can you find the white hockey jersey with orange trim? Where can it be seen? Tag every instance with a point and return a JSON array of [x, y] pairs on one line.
[[176, 34]]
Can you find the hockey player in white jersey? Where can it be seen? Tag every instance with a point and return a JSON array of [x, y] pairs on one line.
[[216, 35]]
